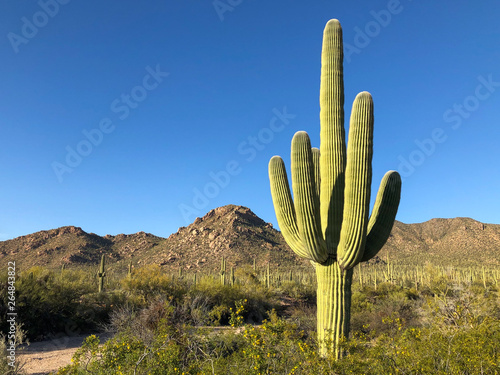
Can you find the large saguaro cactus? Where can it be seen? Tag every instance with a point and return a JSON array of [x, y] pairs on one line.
[[328, 219]]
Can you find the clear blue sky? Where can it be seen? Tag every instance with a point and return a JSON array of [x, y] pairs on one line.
[[94, 133]]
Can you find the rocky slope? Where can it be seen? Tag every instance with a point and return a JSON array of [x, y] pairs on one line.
[[236, 233], [459, 241]]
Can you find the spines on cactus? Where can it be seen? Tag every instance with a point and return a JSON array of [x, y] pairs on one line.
[[328, 220]]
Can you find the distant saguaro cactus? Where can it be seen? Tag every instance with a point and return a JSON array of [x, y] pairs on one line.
[[231, 277], [268, 276], [223, 271], [328, 221], [129, 272], [101, 274]]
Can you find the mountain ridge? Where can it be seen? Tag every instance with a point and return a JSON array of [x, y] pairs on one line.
[[237, 234]]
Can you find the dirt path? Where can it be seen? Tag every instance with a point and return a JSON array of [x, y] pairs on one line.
[[46, 357]]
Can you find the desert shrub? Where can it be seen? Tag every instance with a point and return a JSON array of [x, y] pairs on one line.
[[48, 302], [246, 276], [14, 343], [155, 343], [434, 350], [177, 350], [142, 323], [461, 307], [51, 303], [149, 282], [304, 317], [370, 307], [306, 293], [218, 300]]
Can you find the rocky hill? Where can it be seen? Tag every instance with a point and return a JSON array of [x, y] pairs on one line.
[[232, 232], [456, 242], [236, 233]]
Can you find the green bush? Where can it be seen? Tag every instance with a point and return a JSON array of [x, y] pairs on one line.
[[149, 282], [49, 302]]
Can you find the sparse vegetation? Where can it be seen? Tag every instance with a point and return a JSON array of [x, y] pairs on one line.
[[168, 324]]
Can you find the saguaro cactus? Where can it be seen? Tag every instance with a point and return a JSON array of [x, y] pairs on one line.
[[223, 272], [231, 276], [101, 274], [268, 276], [328, 221], [129, 272]]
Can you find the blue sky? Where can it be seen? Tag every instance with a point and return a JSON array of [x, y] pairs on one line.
[[125, 116]]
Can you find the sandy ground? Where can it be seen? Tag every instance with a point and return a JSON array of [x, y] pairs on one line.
[[46, 357]]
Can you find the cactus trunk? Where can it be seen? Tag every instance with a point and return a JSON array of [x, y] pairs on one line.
[[333, 306]]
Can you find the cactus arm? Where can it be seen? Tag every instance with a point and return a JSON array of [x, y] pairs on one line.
[[283, 205], [317, 176], [383, 214], [305, 198], [333, 147], [358, 182]]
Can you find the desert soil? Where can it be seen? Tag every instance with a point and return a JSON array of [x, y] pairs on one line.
[[46, 357]]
